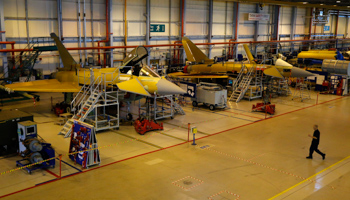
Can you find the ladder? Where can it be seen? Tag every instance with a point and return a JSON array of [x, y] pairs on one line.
[[87, 106], [283, 88], [301, 91], [242, 85]]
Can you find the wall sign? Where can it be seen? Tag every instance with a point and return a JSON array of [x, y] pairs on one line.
[[326, 28], [258, 17], [157, 28]]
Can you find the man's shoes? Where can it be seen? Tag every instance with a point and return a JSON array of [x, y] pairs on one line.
[[308, 157], [323, 156]]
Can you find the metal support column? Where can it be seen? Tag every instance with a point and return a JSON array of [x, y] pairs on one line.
[[148, 16], [110, 31], [256, 30], [276, 24], [346, 27], [293, 25], [84, 32], [183, 24], [235, 28], [59, 19], [4, 63], [170, 32], [27, 24], [79, 32], [336, 26], [92, 23], [210, 26]]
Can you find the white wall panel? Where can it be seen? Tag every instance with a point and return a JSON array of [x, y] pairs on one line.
[[341, 25], [197, 11], [219, 11], [15, 28], [118, 29], [196, 29], [136, 9], [137, 29], [160, 10], [42, 28], [175, 10], [218, 29], [285, 15], [69, 10], [348, 27], [70, 29], [301, 19], [42, 9], [99, 29], [175, 28], [118, 9], [14, 8], [246, 29], [300, 29], [285, 29]]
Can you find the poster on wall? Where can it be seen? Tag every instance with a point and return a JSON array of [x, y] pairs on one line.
[[258, 17], [83, 145]]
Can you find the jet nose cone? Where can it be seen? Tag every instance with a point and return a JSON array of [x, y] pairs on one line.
[[166, 87], [297, 72]]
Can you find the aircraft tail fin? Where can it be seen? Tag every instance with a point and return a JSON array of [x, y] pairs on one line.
[[69, 63], [249, 54], [193, 53]]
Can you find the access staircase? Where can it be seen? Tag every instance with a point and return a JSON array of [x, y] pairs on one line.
[[256, 85], [242, 83], [25, 61], [93, 98]]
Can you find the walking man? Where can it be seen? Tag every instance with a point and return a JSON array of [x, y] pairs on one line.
[[314, 143]]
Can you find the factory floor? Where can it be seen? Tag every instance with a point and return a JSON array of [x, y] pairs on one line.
[[238, 154]]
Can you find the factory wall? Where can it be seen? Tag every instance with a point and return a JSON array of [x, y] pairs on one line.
[[43, 19]]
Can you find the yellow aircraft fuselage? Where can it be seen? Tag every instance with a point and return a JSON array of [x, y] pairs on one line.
[[223, 68], [110, 75]]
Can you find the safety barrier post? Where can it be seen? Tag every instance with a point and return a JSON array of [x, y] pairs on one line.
[[194, 131], [60, 166], [188, 136], [194, 139]]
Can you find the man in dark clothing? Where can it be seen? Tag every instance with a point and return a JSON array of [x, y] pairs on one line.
[[314, 143]]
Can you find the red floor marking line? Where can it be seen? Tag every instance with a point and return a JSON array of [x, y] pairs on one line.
[[244, 115], [161, 149], [50, 172]]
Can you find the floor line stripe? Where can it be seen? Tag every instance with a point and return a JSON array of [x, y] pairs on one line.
[[136, 139], [294, 186]]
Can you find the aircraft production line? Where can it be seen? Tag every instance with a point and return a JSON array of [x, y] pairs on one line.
[[125, 145]]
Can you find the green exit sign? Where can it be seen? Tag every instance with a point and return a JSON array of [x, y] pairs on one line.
[[157, 27]]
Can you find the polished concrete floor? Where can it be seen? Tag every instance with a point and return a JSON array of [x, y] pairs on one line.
[[238, 155]]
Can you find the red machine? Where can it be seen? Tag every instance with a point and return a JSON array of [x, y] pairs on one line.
[[144, 125], [262, 107]]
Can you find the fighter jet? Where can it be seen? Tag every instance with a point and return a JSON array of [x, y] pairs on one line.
[[70, 78], [203, 67]]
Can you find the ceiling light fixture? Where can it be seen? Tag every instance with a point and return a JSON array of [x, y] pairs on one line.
[[304, 2], [321, 4], [338, 1]]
